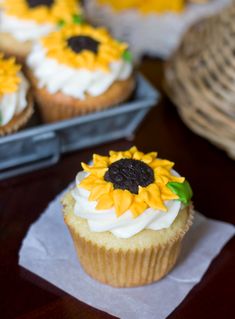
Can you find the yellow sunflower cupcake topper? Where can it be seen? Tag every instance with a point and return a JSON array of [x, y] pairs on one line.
[[43, 11], [83, 46], [147, 6], [134, 181], [9, 78]]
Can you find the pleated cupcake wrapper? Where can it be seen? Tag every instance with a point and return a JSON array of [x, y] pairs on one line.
[[19, 120], [53, 111], [128, 268], [56, 107]]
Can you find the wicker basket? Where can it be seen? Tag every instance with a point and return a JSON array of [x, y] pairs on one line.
[[200, 79]]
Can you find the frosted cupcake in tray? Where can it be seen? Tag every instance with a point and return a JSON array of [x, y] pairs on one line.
[[15, 100], [24, 21], [127, 215], [79, 69]]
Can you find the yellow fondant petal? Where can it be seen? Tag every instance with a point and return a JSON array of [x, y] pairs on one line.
[[149, 158], [122, 201], [167, 194], [115, 157], [126, 154], [162, 175], [88, 182], [162, 163], [152, 197], [160, 178], [98, 171], [100, 161], [133, 149], [138, 155], [98, 191], [177, 179], [138, 207], [105, 202], [9, 76]]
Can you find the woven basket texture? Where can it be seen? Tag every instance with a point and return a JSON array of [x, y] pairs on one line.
[[200, 79]]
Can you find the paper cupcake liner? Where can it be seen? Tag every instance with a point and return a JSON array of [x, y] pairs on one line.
[[12, 47], [19, 120], [131, 267], [57, 107]]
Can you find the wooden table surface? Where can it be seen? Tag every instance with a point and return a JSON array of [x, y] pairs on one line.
[[210, 172]]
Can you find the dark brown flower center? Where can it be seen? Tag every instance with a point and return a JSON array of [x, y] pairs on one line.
[[80, 43], [129, 174], [36, 3]]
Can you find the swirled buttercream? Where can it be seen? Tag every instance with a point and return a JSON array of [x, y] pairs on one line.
[[24, 30], [13, 103], [74, 82], [124, 226]]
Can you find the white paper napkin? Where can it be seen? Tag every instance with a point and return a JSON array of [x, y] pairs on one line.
[[48, 251]]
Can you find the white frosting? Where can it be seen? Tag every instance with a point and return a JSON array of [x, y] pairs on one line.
[[12, 104], [57, 77], [124, 226], [24, 30]]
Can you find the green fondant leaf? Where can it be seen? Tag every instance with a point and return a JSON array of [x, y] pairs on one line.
[[183, 190], [127, 56], [61, 23], [78, 19]]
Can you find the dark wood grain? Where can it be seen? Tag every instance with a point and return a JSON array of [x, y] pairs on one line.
[[22, 199]]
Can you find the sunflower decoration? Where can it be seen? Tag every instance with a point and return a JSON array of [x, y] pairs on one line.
[[43, 11], [9, 78], [147, 6], [134, 181], [83, 46]]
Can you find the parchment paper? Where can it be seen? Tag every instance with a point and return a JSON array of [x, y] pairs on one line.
[[48, 251]]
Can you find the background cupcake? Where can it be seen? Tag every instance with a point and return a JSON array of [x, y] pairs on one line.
[[79, 69], [24, 21], [151, 27], [127, 215], [15, 99]]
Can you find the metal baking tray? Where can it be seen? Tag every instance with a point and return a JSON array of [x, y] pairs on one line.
[[41, 145]]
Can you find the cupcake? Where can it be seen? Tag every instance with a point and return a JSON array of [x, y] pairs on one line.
[[127, 216], [150, 27], [15, 99], [77, 70], [24, 21]]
